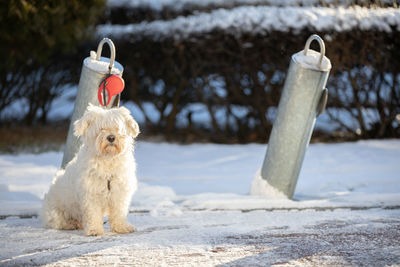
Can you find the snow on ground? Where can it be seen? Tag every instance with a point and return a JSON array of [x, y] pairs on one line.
[[175, 178], [260, 20], [193, 208]]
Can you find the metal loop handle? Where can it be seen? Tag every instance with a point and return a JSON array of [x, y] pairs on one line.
[[112, 49], [321, 46]]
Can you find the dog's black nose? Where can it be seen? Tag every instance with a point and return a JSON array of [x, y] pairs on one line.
[[111, 138]]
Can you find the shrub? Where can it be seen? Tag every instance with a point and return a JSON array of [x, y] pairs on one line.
[[218, 76], [36, 38], [236, 84]]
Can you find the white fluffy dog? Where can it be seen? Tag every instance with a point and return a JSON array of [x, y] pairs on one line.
[[100, 179]]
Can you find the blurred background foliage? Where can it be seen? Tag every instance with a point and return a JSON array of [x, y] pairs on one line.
[[214, 87], [239, 82], [39, 44]]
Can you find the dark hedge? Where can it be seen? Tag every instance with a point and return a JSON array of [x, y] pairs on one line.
[[239, 81], [222, 88]]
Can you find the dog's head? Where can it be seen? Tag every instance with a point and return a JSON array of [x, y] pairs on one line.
[[109, 131]]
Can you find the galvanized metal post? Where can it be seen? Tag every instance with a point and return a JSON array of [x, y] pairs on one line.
[[303, 98], [91, 76]]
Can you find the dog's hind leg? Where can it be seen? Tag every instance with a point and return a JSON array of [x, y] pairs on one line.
[[73, 224], [59, 219]]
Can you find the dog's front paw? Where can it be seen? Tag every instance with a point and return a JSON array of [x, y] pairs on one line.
[[94, 231], [123, 228]]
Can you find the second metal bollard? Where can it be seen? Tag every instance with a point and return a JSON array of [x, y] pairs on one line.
[[303, 98]]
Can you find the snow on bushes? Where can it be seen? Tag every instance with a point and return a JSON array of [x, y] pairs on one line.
[[259, 20]]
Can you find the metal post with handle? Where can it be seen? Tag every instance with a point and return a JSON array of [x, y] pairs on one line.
[[303, 99], [94, 71]]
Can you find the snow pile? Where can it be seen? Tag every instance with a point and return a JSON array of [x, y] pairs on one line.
[[261, 187], [159, 200], [260, 20], [311, 60]]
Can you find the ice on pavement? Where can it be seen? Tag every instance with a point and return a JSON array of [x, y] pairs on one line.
[[324, 238]]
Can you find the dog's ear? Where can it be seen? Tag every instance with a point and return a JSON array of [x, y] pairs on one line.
[[131, 124], [81, 125]]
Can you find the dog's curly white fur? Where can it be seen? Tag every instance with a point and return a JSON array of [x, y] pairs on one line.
[[100, 179]]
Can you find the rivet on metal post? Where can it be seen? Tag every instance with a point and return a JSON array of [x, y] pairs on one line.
[[321, 45]]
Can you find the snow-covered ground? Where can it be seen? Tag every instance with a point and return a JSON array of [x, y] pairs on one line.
[[193, 208], [175, 178]]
